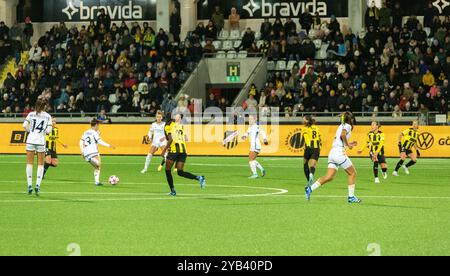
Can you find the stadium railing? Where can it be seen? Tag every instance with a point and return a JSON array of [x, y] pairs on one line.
[[271, 116]]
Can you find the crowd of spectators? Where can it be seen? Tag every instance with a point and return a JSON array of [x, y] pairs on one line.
[[389, 67], [102, 66], [392, 66]]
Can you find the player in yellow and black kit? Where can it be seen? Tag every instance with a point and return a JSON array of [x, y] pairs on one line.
[[51, 157], [406, 143], [375, 144], [177, 154], [312, 140]]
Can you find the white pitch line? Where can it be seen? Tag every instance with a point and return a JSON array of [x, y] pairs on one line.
[[154, 183], [183, 196]]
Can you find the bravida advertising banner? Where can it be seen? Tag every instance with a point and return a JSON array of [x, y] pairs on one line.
[[86, 10], [257, 9], [223, 140]]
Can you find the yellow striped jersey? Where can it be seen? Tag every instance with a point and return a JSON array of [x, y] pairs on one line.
[[375, 142], [409, 138], [51, 139], [312, 137], [179, 140]]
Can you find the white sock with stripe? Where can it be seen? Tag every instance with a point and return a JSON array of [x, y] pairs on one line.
[[97, 176], [29, 175], [253, 167], [259, 166], [40, 175]]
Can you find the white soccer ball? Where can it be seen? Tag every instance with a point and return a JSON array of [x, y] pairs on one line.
[[114, 180]]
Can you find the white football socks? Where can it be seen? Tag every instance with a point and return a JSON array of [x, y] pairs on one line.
[[40, 174], [315, 186], [97, 176], [148, 160], [259, 166], [29, 175], [253, 167], [351, 190]]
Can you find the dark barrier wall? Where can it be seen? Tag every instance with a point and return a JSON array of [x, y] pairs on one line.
[[257, 9], [293, 8], [86, 10], [131, 10]]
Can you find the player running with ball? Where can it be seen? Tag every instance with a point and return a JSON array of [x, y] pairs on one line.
[[255, 133], [158, 140], [338, 158], [177, 154], [89, 148]]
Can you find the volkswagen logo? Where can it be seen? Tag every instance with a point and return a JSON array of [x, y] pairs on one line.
[[425, 141]]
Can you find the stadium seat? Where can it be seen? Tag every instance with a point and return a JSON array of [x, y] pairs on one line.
[[203, 43], [237, 44], [224, 35], [312, 34], [243, 33], [227, 45], [221, 54], [231, 54], [235, 34], [281, 65], [217, 44], [271, 65], [242, 54], [291, 64]]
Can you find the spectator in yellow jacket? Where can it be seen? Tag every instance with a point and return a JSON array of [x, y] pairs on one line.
[[428, 79]]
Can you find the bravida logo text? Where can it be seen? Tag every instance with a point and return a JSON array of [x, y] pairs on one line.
[[285, 9], [116, 12]]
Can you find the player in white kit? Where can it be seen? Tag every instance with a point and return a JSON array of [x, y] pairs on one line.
[[255, 133], [339, 159], [158, 140], [89, 148], [37, 124]]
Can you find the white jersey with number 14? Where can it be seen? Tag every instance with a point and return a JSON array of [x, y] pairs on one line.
[[38, 125]]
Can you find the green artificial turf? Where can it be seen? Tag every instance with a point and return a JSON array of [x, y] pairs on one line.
[[408, 215]]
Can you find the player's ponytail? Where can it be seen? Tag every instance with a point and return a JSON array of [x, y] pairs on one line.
[[94, 122], [347, 118], [40, 106]]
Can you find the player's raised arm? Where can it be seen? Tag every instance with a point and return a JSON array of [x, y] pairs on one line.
[[103, 143]]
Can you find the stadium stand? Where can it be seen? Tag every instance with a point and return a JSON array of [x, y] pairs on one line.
[[316, 66]]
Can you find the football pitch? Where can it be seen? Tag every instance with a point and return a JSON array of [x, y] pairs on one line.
[[408, 215]]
